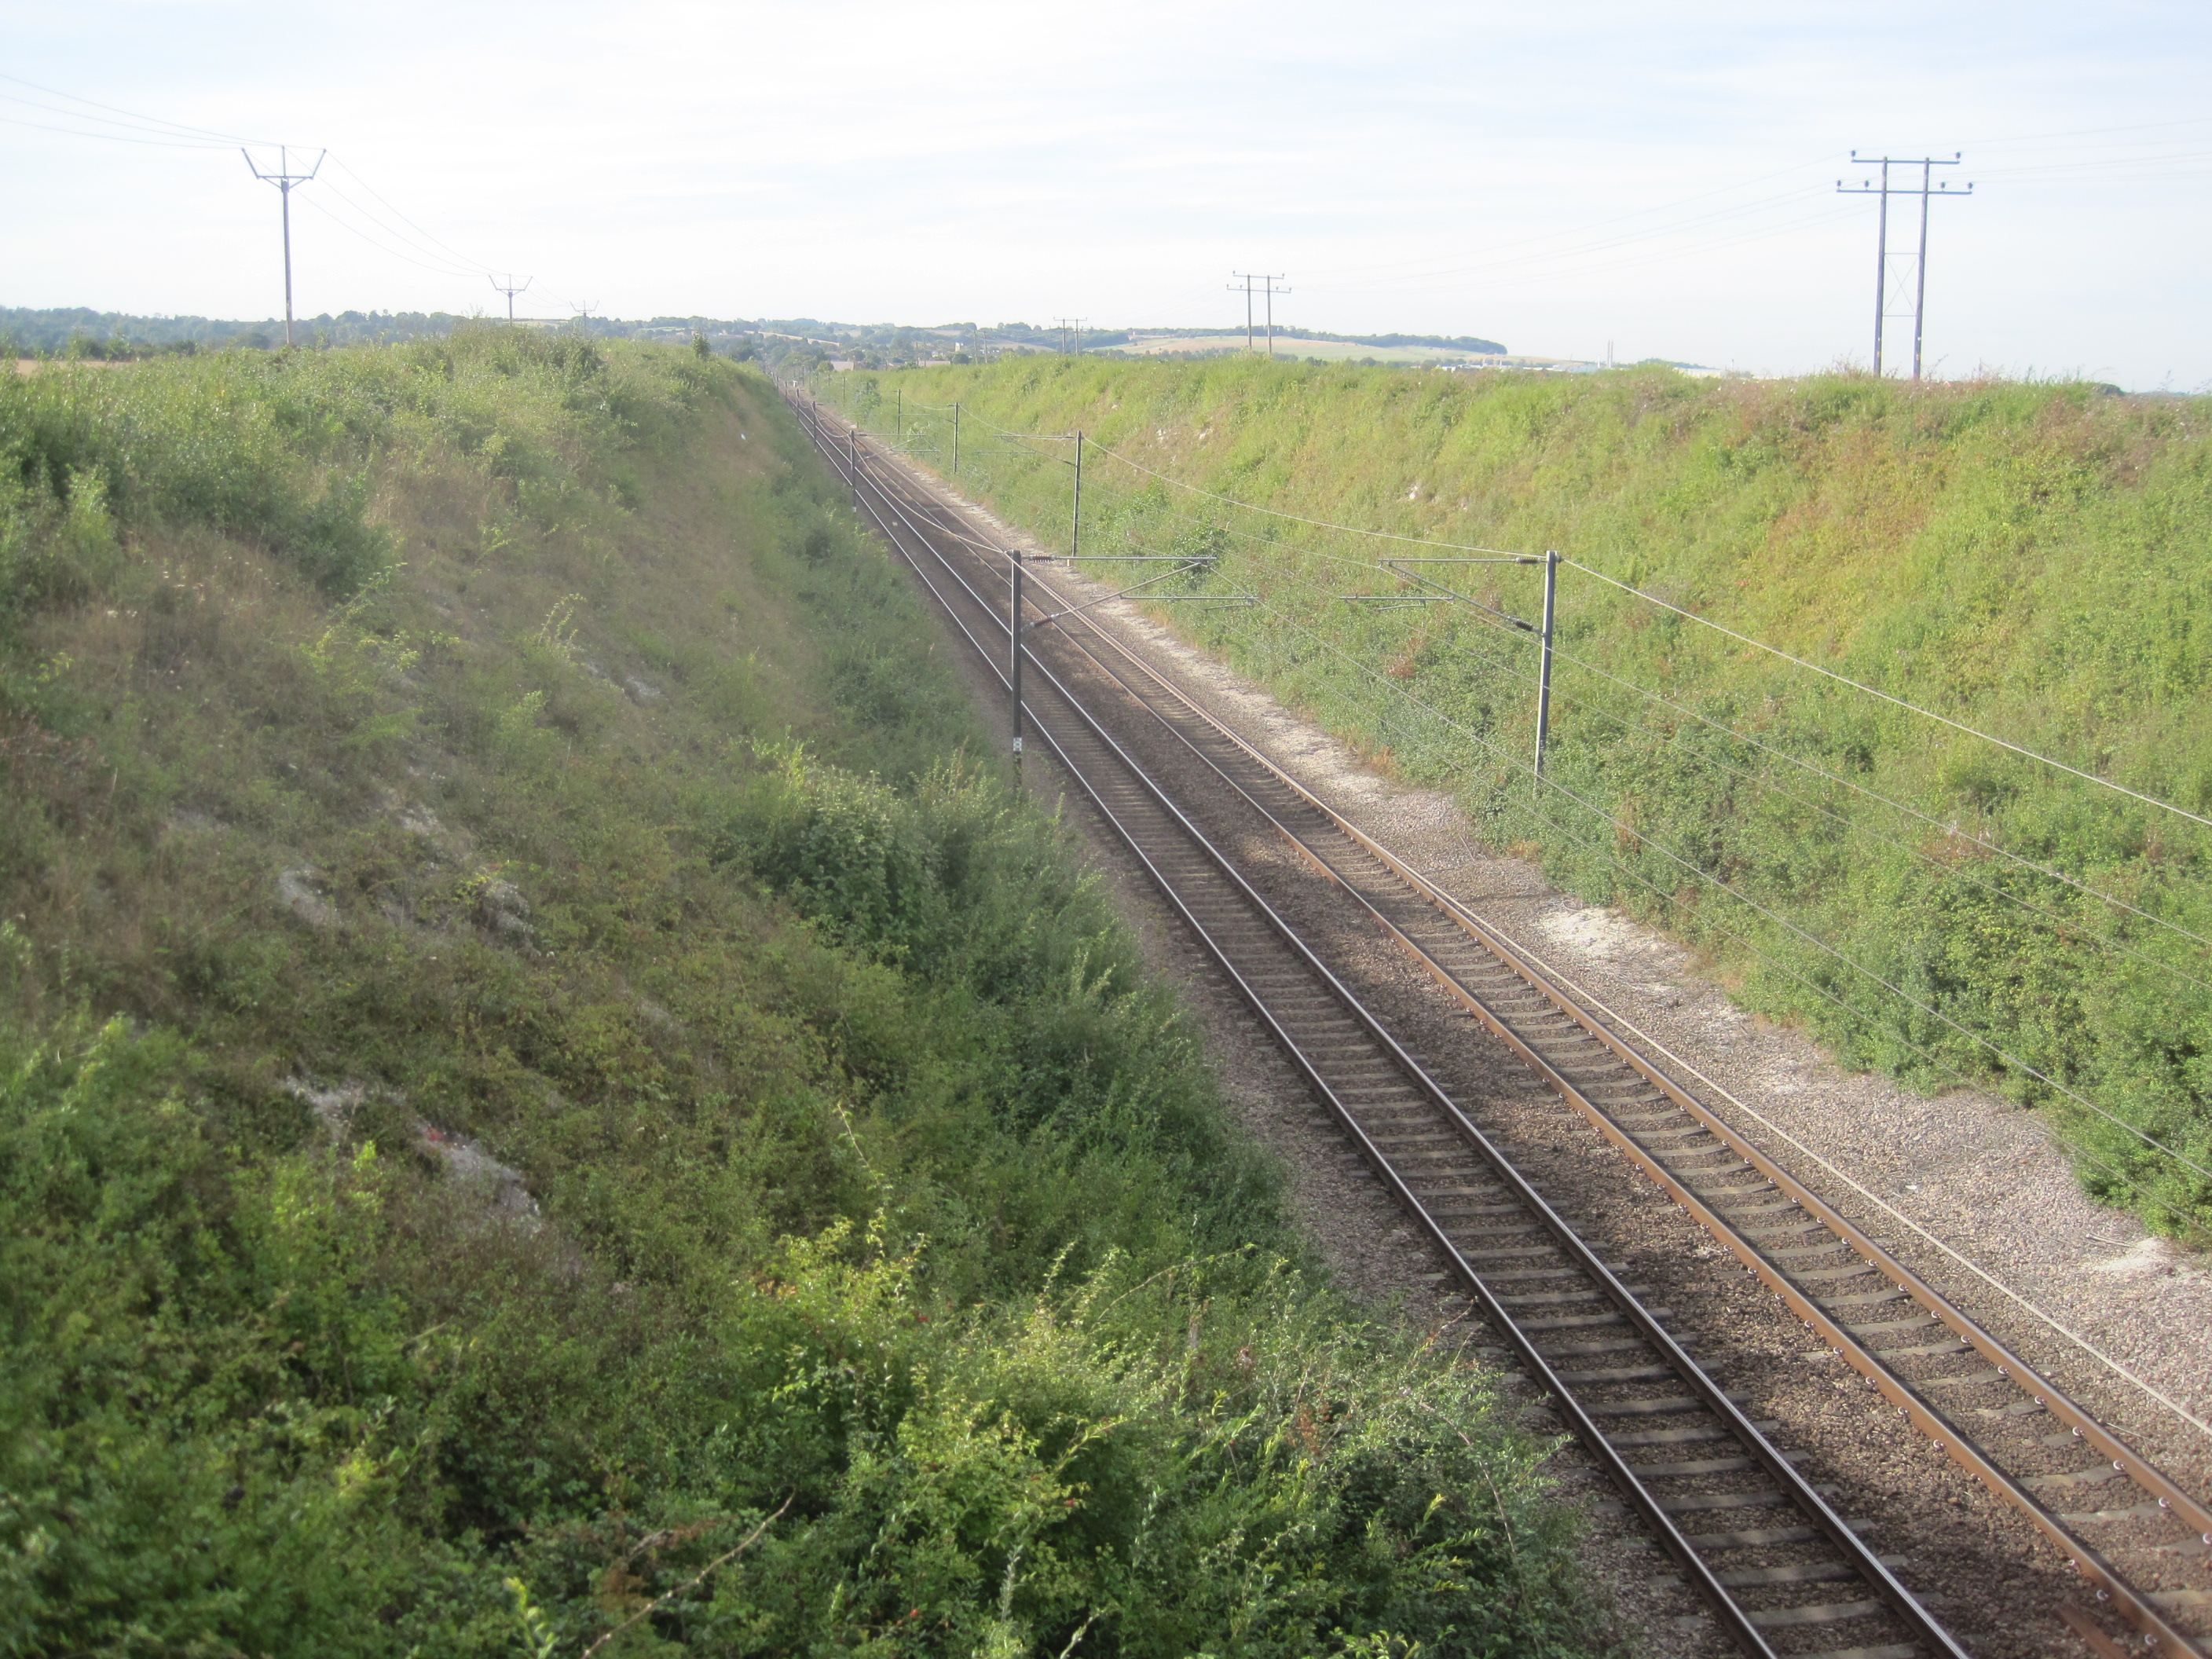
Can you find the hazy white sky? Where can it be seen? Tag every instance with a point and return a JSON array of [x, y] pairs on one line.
[[1659, 177]]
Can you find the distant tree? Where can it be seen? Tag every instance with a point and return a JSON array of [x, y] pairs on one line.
[[700, 344]]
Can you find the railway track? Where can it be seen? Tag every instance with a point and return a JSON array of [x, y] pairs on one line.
[[1780, 1571]]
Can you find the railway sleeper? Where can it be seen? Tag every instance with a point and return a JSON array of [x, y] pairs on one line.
[[1577, 1054]]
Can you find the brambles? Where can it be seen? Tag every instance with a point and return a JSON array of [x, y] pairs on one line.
[[545, 1092], [2022, 558]]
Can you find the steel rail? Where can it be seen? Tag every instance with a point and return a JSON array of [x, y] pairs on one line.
[[2111, 1586], [2130, 1604], [1861, 1561]]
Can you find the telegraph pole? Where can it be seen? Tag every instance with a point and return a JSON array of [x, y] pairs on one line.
[[511, 287], [1071, 330], [284, 178], [1075, 513], [1881, 187], [1015, 665], [1246, 278], [1544, 663]]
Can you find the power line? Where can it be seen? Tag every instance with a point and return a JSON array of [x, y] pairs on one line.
[[389, 252], [111, 137], [1883, 255], [133, 119], [474, 265]]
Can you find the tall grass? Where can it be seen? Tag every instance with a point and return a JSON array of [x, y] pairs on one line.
[[2025, 559], [873, 1268]]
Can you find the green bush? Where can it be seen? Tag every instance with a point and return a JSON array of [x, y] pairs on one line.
[[547, 1100], [2020, 558]]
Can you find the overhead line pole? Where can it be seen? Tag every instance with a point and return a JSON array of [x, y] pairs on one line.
[[509, 289], [1884, 190], [1268, 279], [1014, 639], [284, 178], [1544, 663]]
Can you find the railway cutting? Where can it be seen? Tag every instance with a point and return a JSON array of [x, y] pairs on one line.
[[1288, 900]]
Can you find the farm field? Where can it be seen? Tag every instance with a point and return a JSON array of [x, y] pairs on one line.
[[1328, 351]]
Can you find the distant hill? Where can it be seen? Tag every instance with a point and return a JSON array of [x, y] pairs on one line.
[[796, 342]]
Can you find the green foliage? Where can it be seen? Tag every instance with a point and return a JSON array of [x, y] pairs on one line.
[[545, 1101], [2021, 558]]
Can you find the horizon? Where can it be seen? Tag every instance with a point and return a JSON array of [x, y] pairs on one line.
[[1285, 333], [1595, 175]]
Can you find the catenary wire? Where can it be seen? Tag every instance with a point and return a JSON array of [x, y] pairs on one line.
[[1850, 824]]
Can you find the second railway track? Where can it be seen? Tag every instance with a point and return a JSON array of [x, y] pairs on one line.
[[1781, 1571]]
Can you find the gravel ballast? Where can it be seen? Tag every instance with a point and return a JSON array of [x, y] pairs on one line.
[[1949, 1185]]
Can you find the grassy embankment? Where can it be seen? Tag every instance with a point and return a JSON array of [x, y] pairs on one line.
[[2028, 560], [540, 1095]]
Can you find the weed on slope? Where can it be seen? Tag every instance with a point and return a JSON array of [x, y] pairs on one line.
[[547, 1106]]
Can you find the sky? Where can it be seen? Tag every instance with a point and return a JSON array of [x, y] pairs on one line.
[[1569, 179]]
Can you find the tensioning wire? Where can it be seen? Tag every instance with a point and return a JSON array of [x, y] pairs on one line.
[[1692, 713], [1745, 638], [2027, 1305], [1565, 655], [1875, 691], [2011, 1060]]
